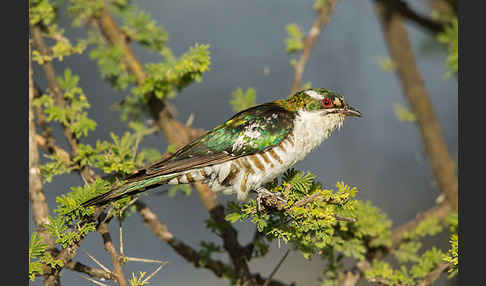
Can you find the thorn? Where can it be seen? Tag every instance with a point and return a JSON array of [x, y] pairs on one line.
[[135, 148], [92, 280], [440, 199], [190, 120], [144, 260], [155, 272], [96, 261], [122, 252]]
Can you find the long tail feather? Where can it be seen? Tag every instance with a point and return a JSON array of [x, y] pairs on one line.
[[128, 189]]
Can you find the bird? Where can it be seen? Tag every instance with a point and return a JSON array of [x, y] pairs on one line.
[[247, 151]]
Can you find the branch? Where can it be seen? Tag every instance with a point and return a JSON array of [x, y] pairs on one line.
[[160, 230], [448, 7], [414, 90], [40, 209], [103, 230], [425, 22], [267, 282], [440, 212], [92, 272], [87, 173], [323, 18], [434, 275]]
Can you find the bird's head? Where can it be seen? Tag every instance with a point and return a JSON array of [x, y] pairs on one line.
[[319, 112], [322, 101]]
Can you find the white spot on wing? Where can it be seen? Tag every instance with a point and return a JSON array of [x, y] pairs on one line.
[[252, 131]]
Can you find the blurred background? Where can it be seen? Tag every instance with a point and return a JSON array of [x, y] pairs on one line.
[[378, 153]]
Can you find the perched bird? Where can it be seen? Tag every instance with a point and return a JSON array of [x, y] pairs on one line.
[[252, 148]]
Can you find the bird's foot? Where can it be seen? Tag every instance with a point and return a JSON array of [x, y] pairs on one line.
[[269, 199]]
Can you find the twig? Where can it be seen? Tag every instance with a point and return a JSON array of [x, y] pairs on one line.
[[342, 218], [425, 22], [434, 275], [93, 272], [276, 268], [316, 197], [323, 18], [440, 212]]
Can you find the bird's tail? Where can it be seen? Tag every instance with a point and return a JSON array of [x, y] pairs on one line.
[[127, 189]]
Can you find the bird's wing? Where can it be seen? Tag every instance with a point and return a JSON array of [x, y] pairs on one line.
[[249, 131]]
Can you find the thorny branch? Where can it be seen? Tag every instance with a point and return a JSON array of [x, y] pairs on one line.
[[89, 176], [323, 18], [102, 229]]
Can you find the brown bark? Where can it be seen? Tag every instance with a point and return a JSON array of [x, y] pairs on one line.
[[102, 229], [38, 202]]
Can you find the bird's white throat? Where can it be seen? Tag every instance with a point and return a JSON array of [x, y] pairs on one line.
[[311, 128]]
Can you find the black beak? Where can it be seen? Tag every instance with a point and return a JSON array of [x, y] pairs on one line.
[[350, 111]]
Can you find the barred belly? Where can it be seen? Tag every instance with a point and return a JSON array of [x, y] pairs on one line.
[[241, 175], [244, 174]]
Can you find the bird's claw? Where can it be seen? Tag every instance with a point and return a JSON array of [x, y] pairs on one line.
[[270, 199]]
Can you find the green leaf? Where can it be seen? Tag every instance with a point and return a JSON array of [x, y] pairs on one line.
[[295, 41], [233, 217], [241, 100]]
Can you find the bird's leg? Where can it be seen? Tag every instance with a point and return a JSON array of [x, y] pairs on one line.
[[270, 199]]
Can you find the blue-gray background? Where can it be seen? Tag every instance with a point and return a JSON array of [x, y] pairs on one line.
[[378, 153]]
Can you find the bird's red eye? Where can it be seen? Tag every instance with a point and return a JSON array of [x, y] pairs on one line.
[[326, 102]]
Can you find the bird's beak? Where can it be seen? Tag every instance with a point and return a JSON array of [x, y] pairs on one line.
[[350, 111]]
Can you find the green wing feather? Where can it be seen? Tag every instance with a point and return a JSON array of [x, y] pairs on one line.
[[235, 138], [270, 121]]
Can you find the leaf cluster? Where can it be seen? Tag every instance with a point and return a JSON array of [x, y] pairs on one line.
[[450, 37], [38, 256], [413, 266], [313, 228], [295, 40], [73, 115], [241, 100], [166, 78]]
